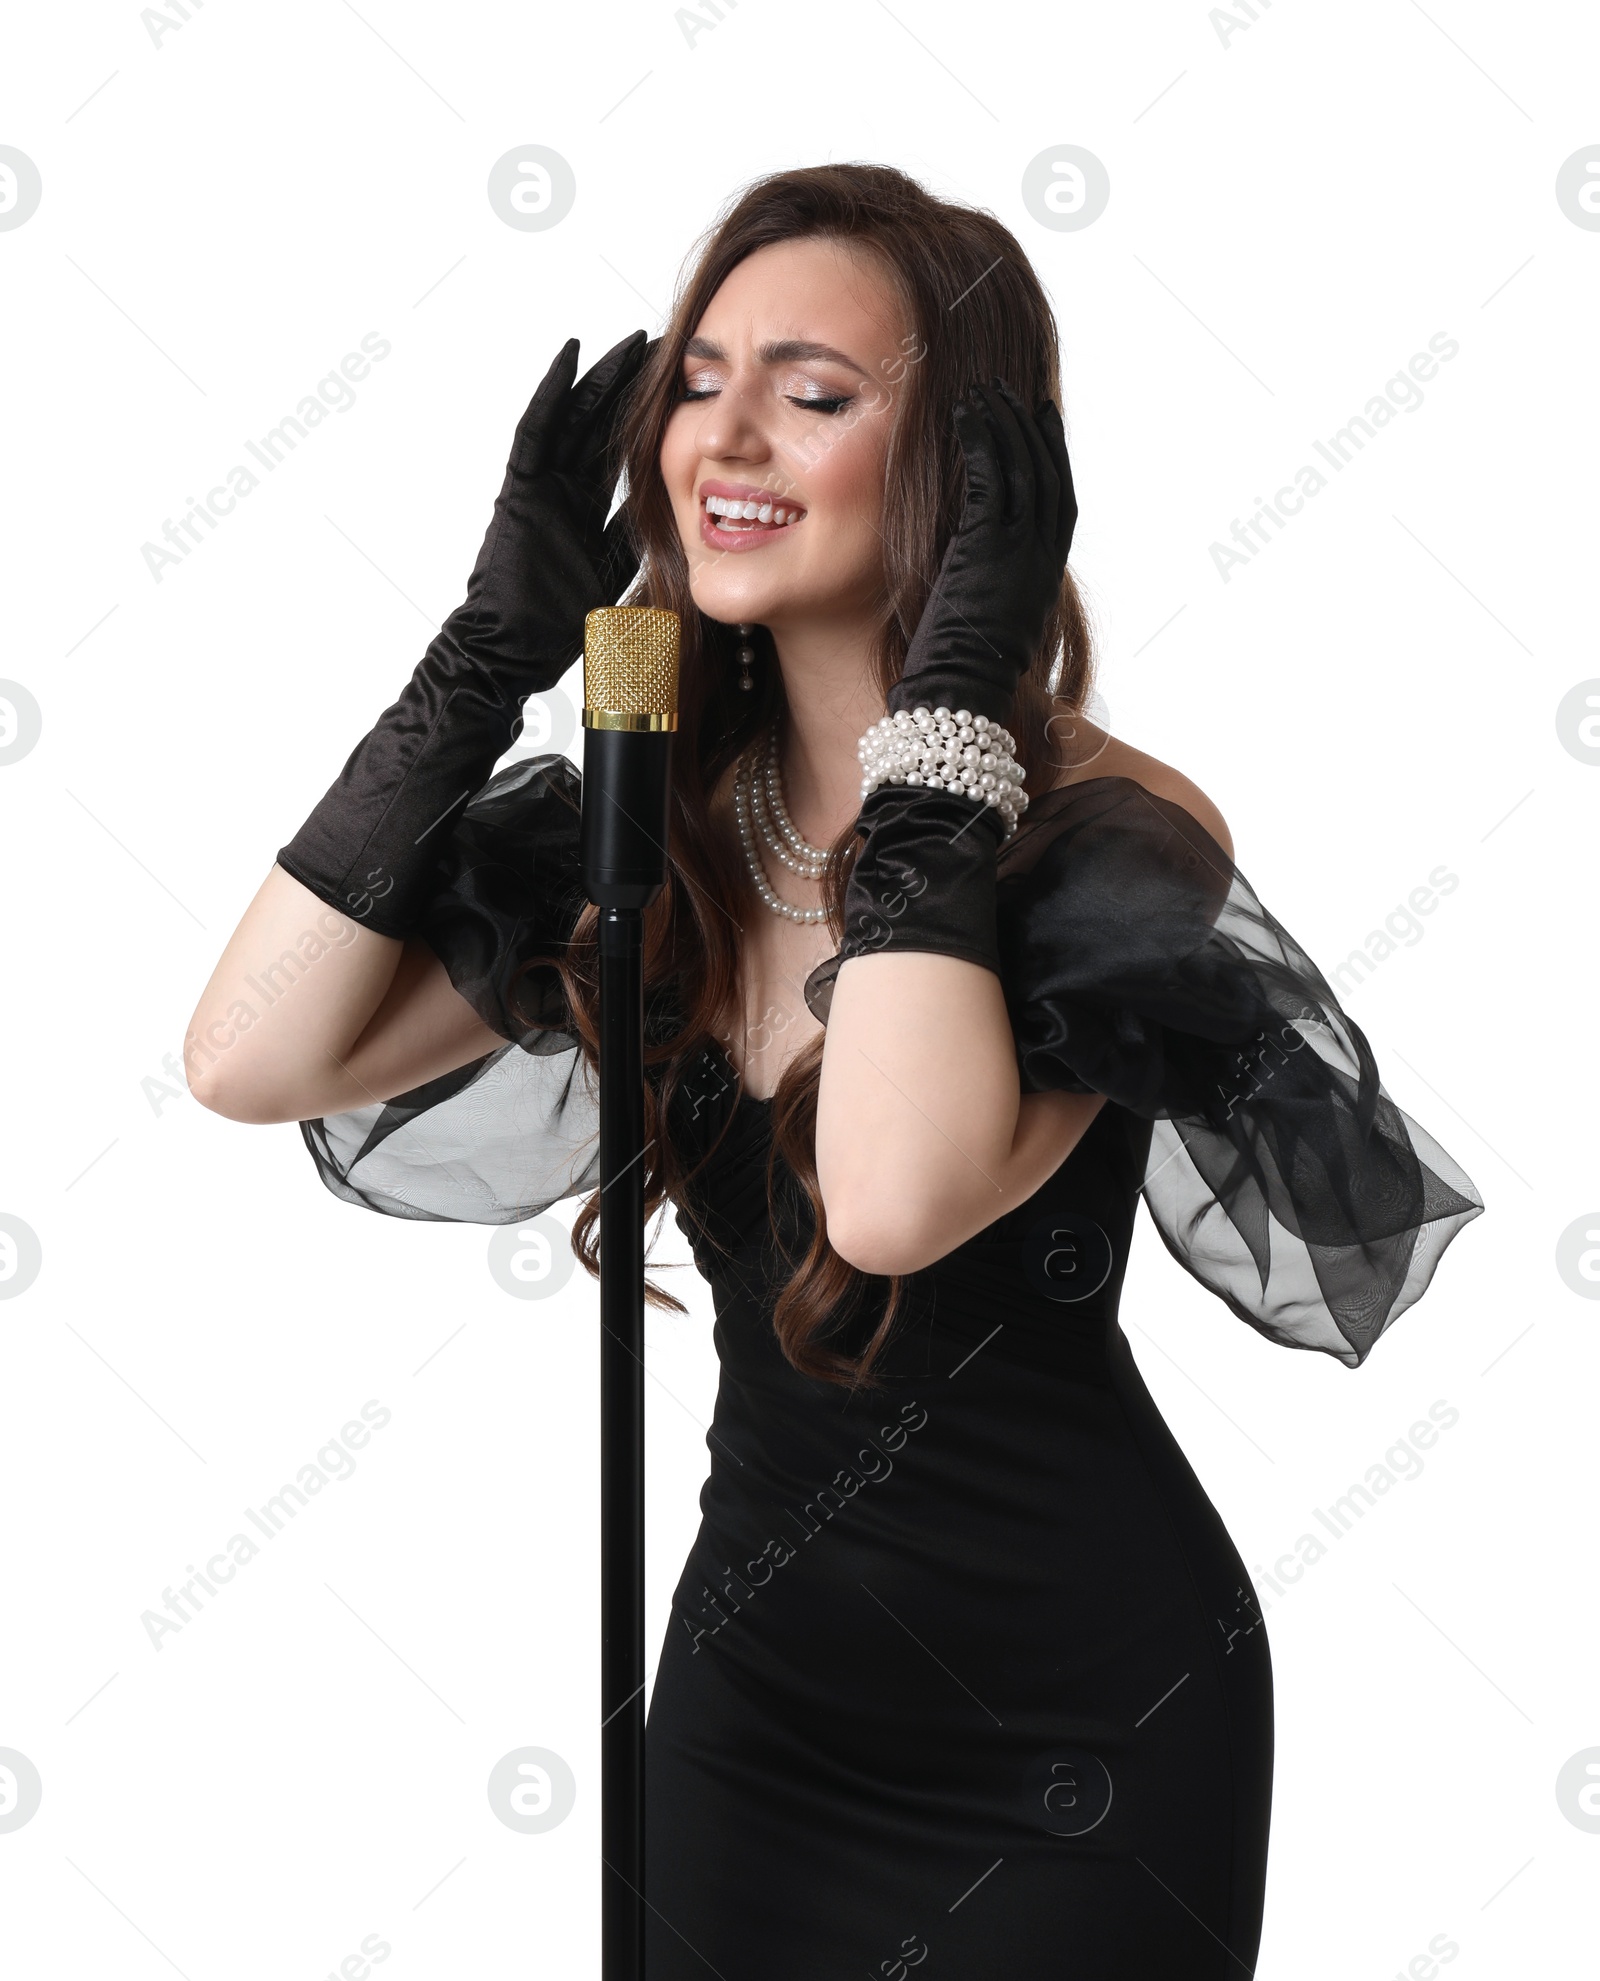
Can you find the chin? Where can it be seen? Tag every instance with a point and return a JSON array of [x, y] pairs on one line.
[[730, 609], [755, 599]]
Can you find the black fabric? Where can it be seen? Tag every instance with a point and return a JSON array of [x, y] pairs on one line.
[[514, 1132], [924, 878], [966, 1670], [506, 896], [1000, 576], [1137, 962], [549, 557], [963, 1675]]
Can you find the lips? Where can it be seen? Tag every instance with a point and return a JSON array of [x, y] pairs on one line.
[[740, 515]]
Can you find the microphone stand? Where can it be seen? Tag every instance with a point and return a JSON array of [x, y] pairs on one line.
[[622, 1454], [622, 840]]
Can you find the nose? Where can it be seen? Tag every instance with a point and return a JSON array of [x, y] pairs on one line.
[[732, 426]]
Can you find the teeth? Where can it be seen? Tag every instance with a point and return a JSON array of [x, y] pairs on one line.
[[740, 511]]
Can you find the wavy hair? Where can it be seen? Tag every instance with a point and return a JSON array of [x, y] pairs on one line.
[[977, 311]]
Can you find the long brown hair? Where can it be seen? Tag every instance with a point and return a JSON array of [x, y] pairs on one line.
[[977, 311]]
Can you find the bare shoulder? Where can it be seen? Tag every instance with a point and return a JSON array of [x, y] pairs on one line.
[[1097, 753]]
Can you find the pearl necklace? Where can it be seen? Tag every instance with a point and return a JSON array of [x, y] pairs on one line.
[[763, 817], [793, 852]]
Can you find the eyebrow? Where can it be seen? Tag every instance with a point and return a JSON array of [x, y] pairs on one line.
[[786, 350]]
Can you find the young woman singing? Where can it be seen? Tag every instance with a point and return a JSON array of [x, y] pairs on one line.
[[963, 1666]]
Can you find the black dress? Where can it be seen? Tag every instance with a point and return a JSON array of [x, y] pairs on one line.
[[965, 1671]]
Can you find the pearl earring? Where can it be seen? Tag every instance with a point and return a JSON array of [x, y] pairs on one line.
[[747, 654]]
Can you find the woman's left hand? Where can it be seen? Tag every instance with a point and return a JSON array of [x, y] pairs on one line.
[[1001, 574]]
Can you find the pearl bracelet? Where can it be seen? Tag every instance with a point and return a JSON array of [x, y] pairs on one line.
[[947, 751]]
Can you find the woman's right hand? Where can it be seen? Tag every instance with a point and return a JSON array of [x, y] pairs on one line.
[[326, 998], [549, 557]]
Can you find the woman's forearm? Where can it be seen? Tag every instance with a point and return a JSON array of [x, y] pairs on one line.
[[923, 1134], [308, 1013]]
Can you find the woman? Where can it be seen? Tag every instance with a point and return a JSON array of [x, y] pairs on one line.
[[963, 1666]]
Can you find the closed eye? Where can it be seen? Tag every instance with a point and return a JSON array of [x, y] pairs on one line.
[[829, 404]]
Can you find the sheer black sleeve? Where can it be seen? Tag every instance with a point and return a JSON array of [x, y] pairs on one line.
[[507, 1136], [1139, 963]]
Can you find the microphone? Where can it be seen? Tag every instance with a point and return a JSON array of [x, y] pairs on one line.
[[630, 711]]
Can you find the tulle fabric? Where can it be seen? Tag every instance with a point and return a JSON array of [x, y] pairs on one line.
[[1137, 962], [1140, 963], [491, 1143], [515, 1132]]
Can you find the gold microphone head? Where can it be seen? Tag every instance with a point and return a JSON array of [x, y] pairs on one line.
[[630, 668]]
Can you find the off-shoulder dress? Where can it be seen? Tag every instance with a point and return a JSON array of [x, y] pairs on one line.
[[964, 1673]]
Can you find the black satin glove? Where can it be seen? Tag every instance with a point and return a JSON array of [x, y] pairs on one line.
[[1001, 574], [549, 558], [924, 878]]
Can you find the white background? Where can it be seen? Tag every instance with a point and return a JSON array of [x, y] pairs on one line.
[[1297, 205]]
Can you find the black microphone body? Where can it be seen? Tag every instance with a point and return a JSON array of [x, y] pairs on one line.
[[630, 712], [622, 839]]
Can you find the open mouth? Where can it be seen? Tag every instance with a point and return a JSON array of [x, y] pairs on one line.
[[750, 515]]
